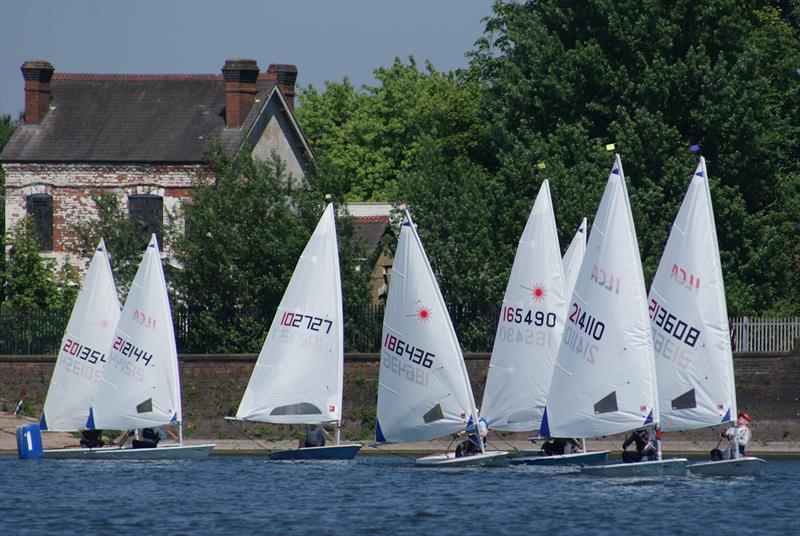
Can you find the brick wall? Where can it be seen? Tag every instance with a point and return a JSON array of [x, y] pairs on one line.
[[72, 187], [767, 386]]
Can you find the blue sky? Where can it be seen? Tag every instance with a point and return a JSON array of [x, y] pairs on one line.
[[326, 40]]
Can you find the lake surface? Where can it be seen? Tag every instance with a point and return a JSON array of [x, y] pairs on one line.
[[379, 494]]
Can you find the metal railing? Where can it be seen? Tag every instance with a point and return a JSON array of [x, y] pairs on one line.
[[757, 334], [40, 332]]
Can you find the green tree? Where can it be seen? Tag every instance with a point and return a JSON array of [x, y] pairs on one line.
[[31, 282], [245, 230], [367, 138], [7, 127], [562, 79]]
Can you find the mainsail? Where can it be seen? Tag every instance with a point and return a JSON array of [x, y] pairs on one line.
[[604, 379], [574, 257], [84, 348], [298, 375], [530, 326], [689, 319], [423, 389], [140, 385]]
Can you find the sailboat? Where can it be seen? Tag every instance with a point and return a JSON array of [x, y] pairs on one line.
[[689, 317], [299, 372], [574, 257], [82, 354], [140, 385], [604, 379], [528, 335], [423, 387]]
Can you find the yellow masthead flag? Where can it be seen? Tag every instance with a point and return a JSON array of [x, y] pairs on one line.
[[610, 147]]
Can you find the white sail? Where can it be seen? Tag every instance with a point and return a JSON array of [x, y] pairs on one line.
[[423, 389], [574, 257], [604, 379], [689, 318], [84, 348], [140, 385], [530, 326], [298, 375]]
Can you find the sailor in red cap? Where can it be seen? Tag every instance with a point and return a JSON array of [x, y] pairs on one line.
[[742, 429]]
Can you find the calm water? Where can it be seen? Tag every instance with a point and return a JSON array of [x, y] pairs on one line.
[[378, 494]]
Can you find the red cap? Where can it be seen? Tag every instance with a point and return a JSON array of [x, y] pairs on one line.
[[745, 416]]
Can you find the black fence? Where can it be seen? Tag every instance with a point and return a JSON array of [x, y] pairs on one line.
[[40, 332]]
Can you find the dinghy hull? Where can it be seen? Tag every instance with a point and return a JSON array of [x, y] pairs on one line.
[[495, 458], [748, 466], [333, 452], [579, 458], [659, 468], [167, 452]]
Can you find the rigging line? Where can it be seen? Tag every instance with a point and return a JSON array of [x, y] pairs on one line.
[[501, 438], [247, 436]]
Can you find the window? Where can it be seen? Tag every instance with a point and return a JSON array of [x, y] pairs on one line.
[[40, 207], [147, 212]]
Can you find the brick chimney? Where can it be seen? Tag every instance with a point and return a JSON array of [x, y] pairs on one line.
[[285, 75], [37, 75], [240, 89]]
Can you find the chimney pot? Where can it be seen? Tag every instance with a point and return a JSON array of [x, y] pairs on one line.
[[37, 75], [285, 76], [240, 89]]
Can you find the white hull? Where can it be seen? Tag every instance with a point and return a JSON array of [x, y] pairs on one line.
[[747, 466], [659, 468], [495, 458], [167, 452]]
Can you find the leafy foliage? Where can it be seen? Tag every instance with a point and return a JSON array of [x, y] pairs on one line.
[[121, 235], [244, 234], [564, 78], [31, 282], [369, 137]]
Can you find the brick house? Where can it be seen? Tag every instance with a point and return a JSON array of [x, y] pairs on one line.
[[141, 137]]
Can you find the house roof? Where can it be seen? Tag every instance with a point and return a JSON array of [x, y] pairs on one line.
[[370, 230], [126, 118]]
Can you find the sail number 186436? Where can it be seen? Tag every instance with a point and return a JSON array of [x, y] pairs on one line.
[[416, 355]]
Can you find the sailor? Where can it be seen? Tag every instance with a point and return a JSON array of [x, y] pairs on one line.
[[644, 447], [151, 437], [315, 437], [558, 446], [92, 439], [745, 435], [472, 445]]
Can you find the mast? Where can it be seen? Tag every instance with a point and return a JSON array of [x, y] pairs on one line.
[[340, 326], [464, 375]]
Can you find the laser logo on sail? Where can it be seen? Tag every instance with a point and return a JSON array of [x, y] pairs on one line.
[[684, 278], [607, 280]]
